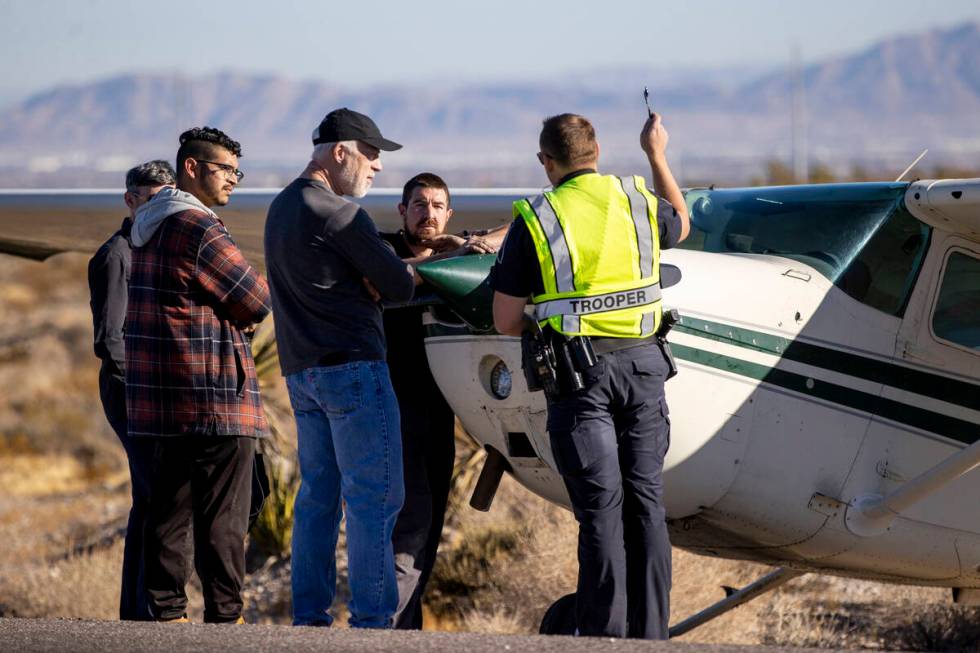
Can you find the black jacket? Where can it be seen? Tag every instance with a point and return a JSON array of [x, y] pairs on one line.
[[108, 282]]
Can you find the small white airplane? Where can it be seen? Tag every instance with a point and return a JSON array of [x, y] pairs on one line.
[[827, 407], [828, 400]]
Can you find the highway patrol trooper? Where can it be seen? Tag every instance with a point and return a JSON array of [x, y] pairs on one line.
[[586, 254]]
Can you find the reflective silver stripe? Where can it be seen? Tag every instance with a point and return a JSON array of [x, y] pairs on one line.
[[571, 324], [646, 325], [640, 212], [612, 301], [564, 278]]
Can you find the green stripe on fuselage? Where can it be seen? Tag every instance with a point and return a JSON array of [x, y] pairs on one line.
[[824, 358], [927, 420], [922, 383]]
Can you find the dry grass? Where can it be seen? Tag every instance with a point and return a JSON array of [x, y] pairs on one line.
[[524, 547], [860, 625], [83, 587], [501, 622], [61, 467], [37, 475]]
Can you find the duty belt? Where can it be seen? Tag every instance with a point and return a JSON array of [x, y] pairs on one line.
[[609, 345]]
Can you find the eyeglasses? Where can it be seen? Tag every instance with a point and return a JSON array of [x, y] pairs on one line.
[[225, 168], [542, 156]]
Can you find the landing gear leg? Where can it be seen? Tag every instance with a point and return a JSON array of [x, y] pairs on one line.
[[486, 486], [735, 598]]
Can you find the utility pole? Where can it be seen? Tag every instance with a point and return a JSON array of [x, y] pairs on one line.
[[801, 162], [181, 102]]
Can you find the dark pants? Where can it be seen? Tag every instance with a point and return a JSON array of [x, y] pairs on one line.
[[112, 391], [428, 451], [205, 480], [609, 442]]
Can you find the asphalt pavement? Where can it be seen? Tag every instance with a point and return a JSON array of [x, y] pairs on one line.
[[32, 635]]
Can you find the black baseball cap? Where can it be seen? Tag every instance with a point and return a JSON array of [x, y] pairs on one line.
[[346, 125]]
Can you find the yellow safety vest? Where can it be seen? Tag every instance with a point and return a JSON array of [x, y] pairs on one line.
[[598, 245]]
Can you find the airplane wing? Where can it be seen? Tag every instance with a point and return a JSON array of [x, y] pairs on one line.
[[38, 224]]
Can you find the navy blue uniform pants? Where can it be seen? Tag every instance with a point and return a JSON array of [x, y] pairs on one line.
[[609, 442]]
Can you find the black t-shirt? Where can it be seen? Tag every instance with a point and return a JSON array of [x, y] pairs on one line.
[[319, 247], [517, 272], [407, 363]]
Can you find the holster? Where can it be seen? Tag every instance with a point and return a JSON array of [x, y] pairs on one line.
[[668, 356], [667, 322], [538, 360], [573, 368]]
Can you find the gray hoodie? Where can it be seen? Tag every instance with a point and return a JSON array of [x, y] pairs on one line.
[[164, 204]]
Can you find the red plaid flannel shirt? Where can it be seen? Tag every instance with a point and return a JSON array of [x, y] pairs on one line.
[[189, 368]]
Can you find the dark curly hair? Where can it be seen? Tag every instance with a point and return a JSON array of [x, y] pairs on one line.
[[202, 143]]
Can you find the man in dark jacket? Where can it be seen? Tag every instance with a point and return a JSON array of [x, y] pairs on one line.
[[190, 380], [108, 280]]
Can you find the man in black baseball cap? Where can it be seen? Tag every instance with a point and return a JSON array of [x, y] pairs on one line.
[[320, 250], [346, 125]]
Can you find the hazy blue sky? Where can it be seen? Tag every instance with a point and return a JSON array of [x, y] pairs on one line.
[[44, 42]]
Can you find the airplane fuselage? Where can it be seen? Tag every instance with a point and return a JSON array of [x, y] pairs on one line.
[[793, 399]]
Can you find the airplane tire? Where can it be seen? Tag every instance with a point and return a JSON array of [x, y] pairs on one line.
[[559, 619]]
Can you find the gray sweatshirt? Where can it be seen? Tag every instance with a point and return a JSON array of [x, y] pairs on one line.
[[164, 204], [318, 249]]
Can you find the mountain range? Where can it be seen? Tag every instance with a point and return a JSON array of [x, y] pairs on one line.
[[884, 104]]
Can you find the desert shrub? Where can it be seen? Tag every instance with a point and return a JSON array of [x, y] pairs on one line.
[[934, 627], [84, 587], [273, 530]]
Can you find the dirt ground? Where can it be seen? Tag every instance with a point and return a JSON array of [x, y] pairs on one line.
[[65, 500]]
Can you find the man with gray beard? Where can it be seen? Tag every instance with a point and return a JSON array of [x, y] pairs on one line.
[[327, 267]]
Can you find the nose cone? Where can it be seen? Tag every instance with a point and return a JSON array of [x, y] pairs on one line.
[[463, 283]]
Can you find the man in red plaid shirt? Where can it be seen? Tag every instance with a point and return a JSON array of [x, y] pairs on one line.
[[190, 380]]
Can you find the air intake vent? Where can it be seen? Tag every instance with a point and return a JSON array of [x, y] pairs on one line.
[[519, 446]]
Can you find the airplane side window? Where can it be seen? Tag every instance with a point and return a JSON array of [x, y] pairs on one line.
[[957, 314], [884, 271]]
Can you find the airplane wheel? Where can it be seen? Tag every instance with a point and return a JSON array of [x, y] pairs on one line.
[[559, 619]]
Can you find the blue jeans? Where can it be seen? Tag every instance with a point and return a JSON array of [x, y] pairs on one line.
[[349, 440]]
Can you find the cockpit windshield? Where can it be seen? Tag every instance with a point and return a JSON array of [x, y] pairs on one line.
[[857, 235]]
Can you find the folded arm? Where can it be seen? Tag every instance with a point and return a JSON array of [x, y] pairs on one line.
[[393, 278], [225, 275]]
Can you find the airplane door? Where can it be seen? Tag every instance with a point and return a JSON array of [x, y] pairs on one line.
[[941, 337], [929, 410]]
